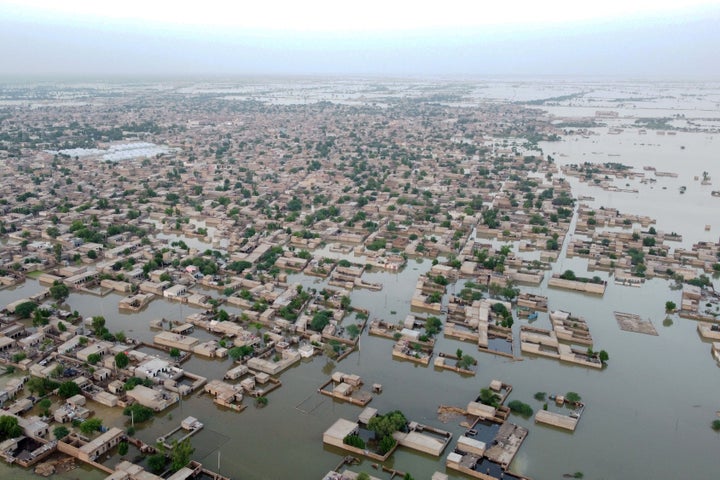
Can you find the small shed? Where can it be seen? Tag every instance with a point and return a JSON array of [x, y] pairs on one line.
[[116, 386], [367, 414], [248, 384], [101, 374], [496, 385], [470, 445], [353, 380], [480, 410], [343, 389]]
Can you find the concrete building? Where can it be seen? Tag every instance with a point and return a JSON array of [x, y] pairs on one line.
[[338, 431], [158, 370], [99, 348], [96, 447], [173, 340], [32, 427], [155, 399], [175, 292]]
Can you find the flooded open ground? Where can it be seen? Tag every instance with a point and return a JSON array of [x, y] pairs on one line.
[[647, 412]]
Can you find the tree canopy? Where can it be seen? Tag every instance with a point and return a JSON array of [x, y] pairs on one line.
[[41, 386], [122, 360], [60, 432], [181, 452], [138, 413], [320, 320], [25, 309], [386, 425], [9, 427], [90, 425], [59, 291], [68, 389]]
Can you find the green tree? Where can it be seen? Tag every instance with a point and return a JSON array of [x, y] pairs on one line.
[[59, 291], [345, 302], [568, 275], [18, 357], [98, 326], [156, 462], [604, 356], [432, 326], [181, 452], [670, 307], [572, 397], [68, 389], [94, 358], [90, 425], [440, 280], [239, 266], [320, 320], [41, 386], [353, 331], [386, 425], [174, 353], [354, 441], [121, 360], [9, 428], [57, 251], [25, 309], [520, 408], [240, 352], [386, 444], [60, 432], [488, 397], [294, 205], [138, 413], [466, 362], [57, 372], [38, 318], [123, 448], [434, 297], [44, 406]]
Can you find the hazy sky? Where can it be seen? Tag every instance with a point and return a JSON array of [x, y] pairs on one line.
[[633, 38]]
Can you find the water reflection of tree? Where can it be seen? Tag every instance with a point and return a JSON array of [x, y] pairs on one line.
[[328, 368]]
